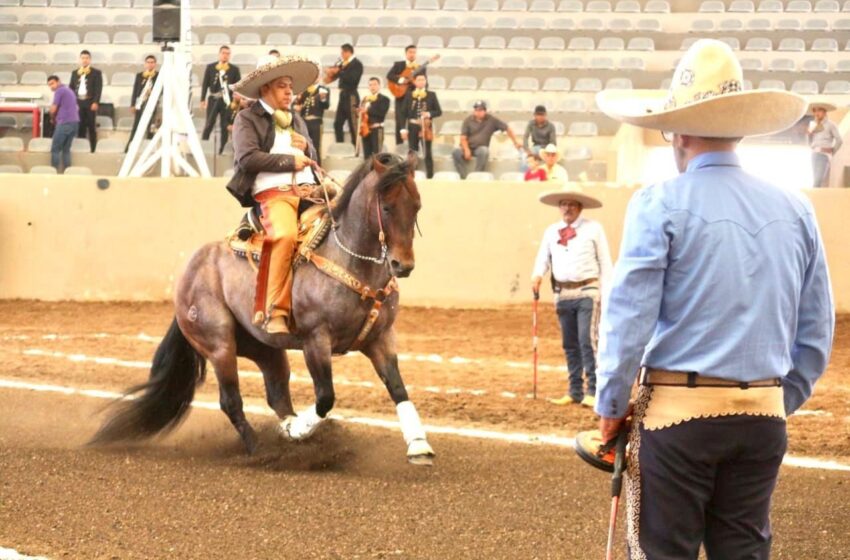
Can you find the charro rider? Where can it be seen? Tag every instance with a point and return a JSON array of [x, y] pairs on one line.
[[273, 161], [721, 297]]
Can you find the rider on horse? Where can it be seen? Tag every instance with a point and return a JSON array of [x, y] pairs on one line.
[[274, 163]]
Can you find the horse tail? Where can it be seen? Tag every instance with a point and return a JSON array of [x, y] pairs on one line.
[[165, 399]]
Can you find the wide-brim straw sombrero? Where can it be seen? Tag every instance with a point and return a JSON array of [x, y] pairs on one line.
[[303, 71], [554, 198], [821, 104], [707, 99]]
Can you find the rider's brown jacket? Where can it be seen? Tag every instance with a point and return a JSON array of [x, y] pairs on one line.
[[253, 138]]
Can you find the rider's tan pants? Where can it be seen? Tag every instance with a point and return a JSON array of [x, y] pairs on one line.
[[280, 219]]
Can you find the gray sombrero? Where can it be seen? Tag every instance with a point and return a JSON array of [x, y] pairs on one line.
[[706, 98], [303, 71], [570, 192]]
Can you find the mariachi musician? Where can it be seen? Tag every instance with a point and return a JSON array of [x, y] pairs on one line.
[[218, 77], [400, 78], [349, 70], [418, 110], [373, 111], [311, 105], [142, 88]]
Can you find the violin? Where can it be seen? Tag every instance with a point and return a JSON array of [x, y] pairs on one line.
[[426, 129], [332, 72], [365, 129]]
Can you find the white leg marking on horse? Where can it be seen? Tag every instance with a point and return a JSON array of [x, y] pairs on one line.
[[302, 426], [419, 452]]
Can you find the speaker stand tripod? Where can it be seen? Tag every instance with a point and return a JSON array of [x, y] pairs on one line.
[[177, 126]]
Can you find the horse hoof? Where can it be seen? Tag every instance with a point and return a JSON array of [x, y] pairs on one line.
[[285, 428], [298, 428], [420, 453]]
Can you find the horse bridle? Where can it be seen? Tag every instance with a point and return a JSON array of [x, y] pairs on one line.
[[382, 238]]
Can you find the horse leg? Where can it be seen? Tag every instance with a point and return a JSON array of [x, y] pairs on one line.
[[317, 354], [383, 356], [224, 362], [275, 367]]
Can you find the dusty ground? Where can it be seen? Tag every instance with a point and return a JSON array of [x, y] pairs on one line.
[[348, 493]]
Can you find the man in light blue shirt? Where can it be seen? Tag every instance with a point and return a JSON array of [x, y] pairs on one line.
[[721, 299]]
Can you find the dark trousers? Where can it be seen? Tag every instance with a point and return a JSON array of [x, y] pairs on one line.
[[346, 108], [88, 122], [314, 131], [413, 141], [820, 169], [399, 122], [136, 120], [373, 143], [706, 481], [579, 320], [217, 108], [60, 147]]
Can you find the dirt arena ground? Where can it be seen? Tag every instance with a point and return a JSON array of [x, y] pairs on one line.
[[348, 493]]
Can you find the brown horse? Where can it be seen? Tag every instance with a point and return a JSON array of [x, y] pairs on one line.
[[372, 240]]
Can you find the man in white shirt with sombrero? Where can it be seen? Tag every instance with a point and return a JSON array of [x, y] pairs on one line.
[[575, 250]]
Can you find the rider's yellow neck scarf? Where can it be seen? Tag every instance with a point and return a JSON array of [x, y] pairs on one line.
[[222, 66], [84, 71], [345, 62], [282, 120], [371, 98], [147, 74], [312, 89], [420, 93], [412, 65]]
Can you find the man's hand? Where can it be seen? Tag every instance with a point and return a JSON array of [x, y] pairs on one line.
[[301, 162], [404, 135], [94, 107], [297, 108], [467, 154], [426, 114], [535, 284], [133, 110], [230, 128], [203, 104], [610, 427], [298, 141]]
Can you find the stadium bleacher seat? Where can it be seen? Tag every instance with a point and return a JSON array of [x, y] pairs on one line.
[[657, 7], [789, 25], [581, 44], [8, 78], [837, 87], [96, 38], [742, 6], [11, 168], [733, 24], [446, 176], [77, 170], [712, 7], [480, 176], [759, 24], [827, 6], [815, 65], [588, 85], [824, 44], [782, 65], [33, 78], [792, 44], [39, 145], [770, 6], [11, 144], [494, 83], [556, 83], [771, 84], [759, 44], [611, 44], [597, 6], [798, 6], [582, 128], [43, 170], [805, 87]]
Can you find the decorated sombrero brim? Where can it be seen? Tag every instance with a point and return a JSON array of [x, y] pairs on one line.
[[706, 98], [554, 198], [303, 71], [593, 451], [821, 104]]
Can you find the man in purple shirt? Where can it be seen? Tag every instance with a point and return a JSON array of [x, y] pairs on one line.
[[66, 117]]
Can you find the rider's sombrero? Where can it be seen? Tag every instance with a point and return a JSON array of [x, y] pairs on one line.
[[303, 71], [707, 99], [821, 104], [554, 198]]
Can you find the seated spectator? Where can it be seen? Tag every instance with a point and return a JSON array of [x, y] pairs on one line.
[[535, 170], [475, 134], [66, 116], [540, 131], [554, 172]]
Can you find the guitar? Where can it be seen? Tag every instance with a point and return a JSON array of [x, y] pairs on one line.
[[398, 90]]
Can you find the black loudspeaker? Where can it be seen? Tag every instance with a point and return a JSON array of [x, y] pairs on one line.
[[166, 21]]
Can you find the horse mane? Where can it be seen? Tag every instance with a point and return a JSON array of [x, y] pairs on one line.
[[397, 170]]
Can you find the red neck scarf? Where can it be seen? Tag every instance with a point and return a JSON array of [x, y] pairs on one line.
[[566, 234]]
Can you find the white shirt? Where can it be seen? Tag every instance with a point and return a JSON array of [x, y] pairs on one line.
[[585, 256], [557, 173], [282, 145], [83, 89]]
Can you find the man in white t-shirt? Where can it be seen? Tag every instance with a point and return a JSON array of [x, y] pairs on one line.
[[273, 158], [575, 250]]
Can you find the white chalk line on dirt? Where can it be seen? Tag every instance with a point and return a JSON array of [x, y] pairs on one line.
[[251, 374], [474, 433], [11, 554], [428, 358]]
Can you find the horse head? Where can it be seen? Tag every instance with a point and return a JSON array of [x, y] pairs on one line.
[[397, 203]]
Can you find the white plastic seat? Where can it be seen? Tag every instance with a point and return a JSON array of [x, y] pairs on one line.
[[43, 170], [461, 42], [826, 6], [789, 25], [521, 43], [732, 24], [455, 6], [8, 78], [837, 87], [492, 42], [597, 6], [620, 25], [11, 144], [247, 39], [279, 39], [551, 44], [244, 59], [618, 83], [770, 6], [399, 40], [733, 42], [401, 5], [592, 24], [33, 78], [517, 62], [581, 44], [712, 7], [792, 44], [485, 176], [449, 176], [437, 82], [524, 83], [571, 62], [370, 40], [798, 6], [30, 37], [66, 38], [572, 105], [841, 24], [641, 44], [570, 6], [759, 24], [40, 145], [216, 39], [486, 6], [338, 39], [824, 44], [77, 169], [231, 5], [702, 26], [632, 63], [581, 128], [782, 65], [816, 25], [542, 6], [562, 24], [514, 176], [109, 146], [657, 7], [125, 38], [588, 85], [515, 6], [815, 65], [463, 83], [627, 7], [258, 4], [426, 5], [430, 42], [11, 168], [494, 83], [123, 79], [33, 57], [762, 44], [308, 40], [771, 84], [742, 6], [805, 87], [601, 63], [125, 20], [611, 44]]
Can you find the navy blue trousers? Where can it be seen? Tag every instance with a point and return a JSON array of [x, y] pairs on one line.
[[705, 481], [578, 318]]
